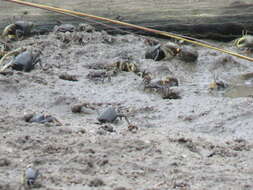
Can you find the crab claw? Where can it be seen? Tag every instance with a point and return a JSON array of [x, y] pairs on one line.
[[9, 30], [244, 42], [17, 30]]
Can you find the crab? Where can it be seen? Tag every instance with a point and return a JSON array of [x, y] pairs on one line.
[[9, 54], [25, 61], [246, 41], [65, 28], [160, 84], [126, 66], [83, 27], [170, 50], [41, 118], [162, 52], [18, 30], [99, 75], [29, 177], [146, 76], [155, 53], [163, 87], [218, 85], [110, 115]]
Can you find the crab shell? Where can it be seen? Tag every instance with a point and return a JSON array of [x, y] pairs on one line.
[[108, 115], [22, 28], [25, 61], [155, 53], [244, 42]]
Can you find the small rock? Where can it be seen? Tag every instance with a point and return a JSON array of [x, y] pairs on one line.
[[77, 108], [107, 128], [96, 182], [4, 162], [66, 76]]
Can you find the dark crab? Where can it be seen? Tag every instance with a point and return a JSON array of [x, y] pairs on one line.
[[30, 176], [162, 52], [25, 61], [110, 115], [18, 30], [41, 118]]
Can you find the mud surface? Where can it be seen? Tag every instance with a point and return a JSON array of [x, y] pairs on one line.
[[202, 141]]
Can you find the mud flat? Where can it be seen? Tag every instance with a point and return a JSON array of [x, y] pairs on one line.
[[203, 140]]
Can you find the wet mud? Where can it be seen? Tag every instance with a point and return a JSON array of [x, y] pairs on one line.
[[203, 140]]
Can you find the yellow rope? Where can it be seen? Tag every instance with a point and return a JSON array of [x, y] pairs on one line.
[[167, 34]]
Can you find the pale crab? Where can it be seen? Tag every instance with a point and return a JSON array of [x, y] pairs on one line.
[[17, 30], [246, 41]]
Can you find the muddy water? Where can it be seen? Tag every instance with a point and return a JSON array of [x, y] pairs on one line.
[[201, 141]]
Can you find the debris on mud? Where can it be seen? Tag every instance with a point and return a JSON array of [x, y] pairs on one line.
[[41, 118], [188, 54], [97, 182], [66, 76], [4, 162], [99, 75]]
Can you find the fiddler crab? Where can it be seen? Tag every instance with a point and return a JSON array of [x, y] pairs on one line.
[[163, 86], [109, 115], [18, 30], [123, 65], [246, 41], [24, 60], [217, 85], [29, 178], [171, 50], [159, 52]]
